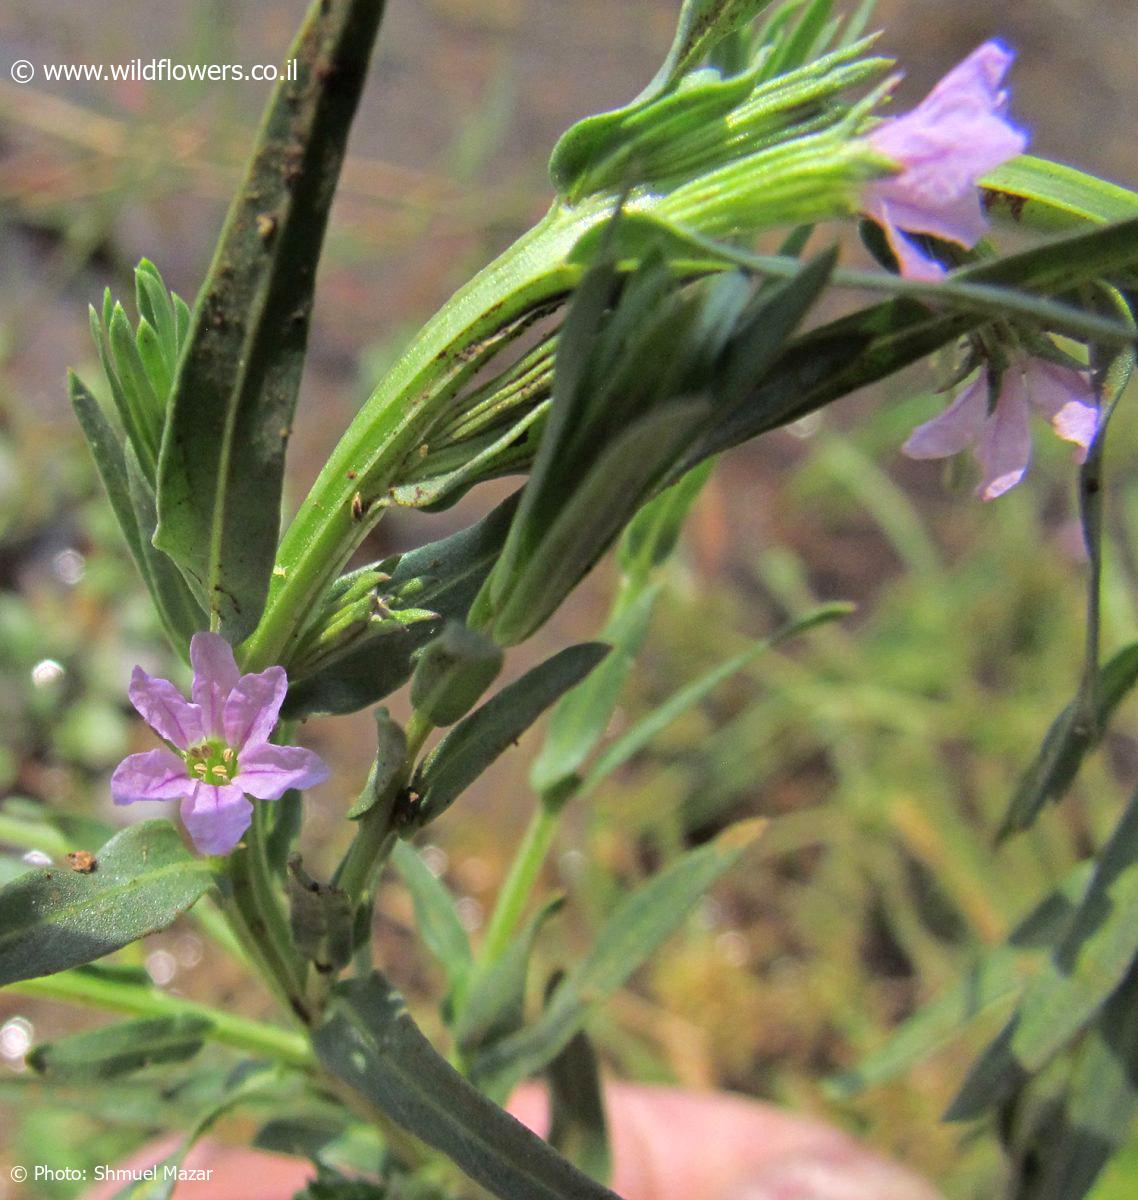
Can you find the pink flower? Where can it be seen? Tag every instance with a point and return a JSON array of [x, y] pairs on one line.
[[218, 746], [1001, 439], [954, 136]]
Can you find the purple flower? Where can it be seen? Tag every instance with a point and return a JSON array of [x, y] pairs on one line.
[[1001, 439], [955, 135], [218, 746]]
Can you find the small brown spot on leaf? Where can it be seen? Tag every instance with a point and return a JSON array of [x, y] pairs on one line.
[[82, 861]]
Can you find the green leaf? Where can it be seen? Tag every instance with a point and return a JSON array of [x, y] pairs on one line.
[[796, 47], [181, 615], [391, 751], [1000, 972], [637, 736], [248, 1081], [1048, 196], [452, 673], [329, 1136], [844, 355], [492, 1004], [650, 537], [368, 1040], [133, 506], [582, 715], [633, 932], [121, 1049], [578, 1128], [141, 423], [156, 305], [623, 475], [53, 918], [1067, 743], [222, 457], [435, 916], [320, 919], [443, 577], [473, 744], [699, 254], [1093, 957], [110, 462], [141, 1103], [1098, 1108], [702, 24]]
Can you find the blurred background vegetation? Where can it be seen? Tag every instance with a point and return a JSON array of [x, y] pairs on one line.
[[884, 750]]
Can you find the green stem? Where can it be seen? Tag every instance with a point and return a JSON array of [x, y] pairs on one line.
[[398, 418], [242, 1033], [376, 834], [256, 917], [524, 870]]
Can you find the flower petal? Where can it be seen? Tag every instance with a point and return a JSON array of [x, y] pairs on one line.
[[912, 262], [253, 706], [942, 147], [215, 676], [166, 710], [958, 427], [267, 771], [216, 817], [1004, 448], [155, 775], [1067, 399]]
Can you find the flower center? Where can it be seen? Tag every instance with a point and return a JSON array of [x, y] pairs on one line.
[[212, 762]]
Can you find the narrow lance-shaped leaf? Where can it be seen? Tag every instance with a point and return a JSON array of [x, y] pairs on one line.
[[492, 1004], [579, 720], [1068, 742], [651, 536], [180, 613], [1049, 196], [390, 751], [1000, 973], [121, 1049], [222, 458], [844, 355], [436, 918], [369, 1040], [577, 1124], [246, 1083], [1095, 1117], [477, 740], [1094, 956], [53, 918], [634, 739], [581, 716], [628, 938], [133, 507], [624, 474]]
